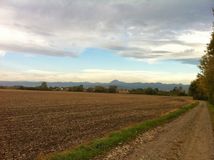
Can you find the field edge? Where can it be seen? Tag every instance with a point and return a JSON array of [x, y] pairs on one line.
[[101, 145]]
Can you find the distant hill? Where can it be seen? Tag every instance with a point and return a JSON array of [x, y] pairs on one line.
[[120, 84]]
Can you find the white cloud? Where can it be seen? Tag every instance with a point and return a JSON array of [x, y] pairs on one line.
[[202, 37], [2, 53], [140, 27]]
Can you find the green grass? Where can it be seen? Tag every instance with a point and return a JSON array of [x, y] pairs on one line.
[[102, 145], [211, 109]]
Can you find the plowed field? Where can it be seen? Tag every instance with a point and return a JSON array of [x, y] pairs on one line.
[[39, 122]]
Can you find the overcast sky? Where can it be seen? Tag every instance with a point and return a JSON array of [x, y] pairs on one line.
[[100, 40]]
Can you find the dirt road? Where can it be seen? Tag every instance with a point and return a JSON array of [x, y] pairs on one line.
[[190, 137]]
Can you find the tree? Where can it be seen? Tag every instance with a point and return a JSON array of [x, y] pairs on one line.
[[112, 89], [43, 86], [150, 91], [205, 80], [100, 89], [197, 89], [178, 91], [79, 88], [207, 69], [137, 91]]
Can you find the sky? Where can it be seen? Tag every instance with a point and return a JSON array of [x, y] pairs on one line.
[[100, 40]]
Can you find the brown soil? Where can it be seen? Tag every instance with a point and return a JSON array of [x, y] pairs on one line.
[[190, 137], [34, 123]]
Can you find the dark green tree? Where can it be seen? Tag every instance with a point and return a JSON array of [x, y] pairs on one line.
[[43, 86], [112, 89], [178, 91], [150, 91], [100, 89]]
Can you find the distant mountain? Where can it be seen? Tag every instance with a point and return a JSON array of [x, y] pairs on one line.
[[160, 86], [119, 84]]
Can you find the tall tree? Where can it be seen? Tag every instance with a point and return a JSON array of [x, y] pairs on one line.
[[207, 68]]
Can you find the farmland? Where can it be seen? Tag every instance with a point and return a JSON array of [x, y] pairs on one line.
[[35, 122]]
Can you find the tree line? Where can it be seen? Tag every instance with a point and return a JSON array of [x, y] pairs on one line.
[[44, 87], [202, 87], [176, 91]]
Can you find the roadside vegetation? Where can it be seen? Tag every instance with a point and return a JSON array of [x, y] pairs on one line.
[[211, 109], [102, 145]]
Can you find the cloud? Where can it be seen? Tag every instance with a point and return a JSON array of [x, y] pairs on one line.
[[98, 75], [141, 29], [194, 61], [2, 53]]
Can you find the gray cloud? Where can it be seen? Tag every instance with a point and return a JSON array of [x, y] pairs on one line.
[[37, 50], [138, 29], [193, 61]]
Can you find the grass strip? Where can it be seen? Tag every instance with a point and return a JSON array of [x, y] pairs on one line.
[[211, 110], [102, 145]]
